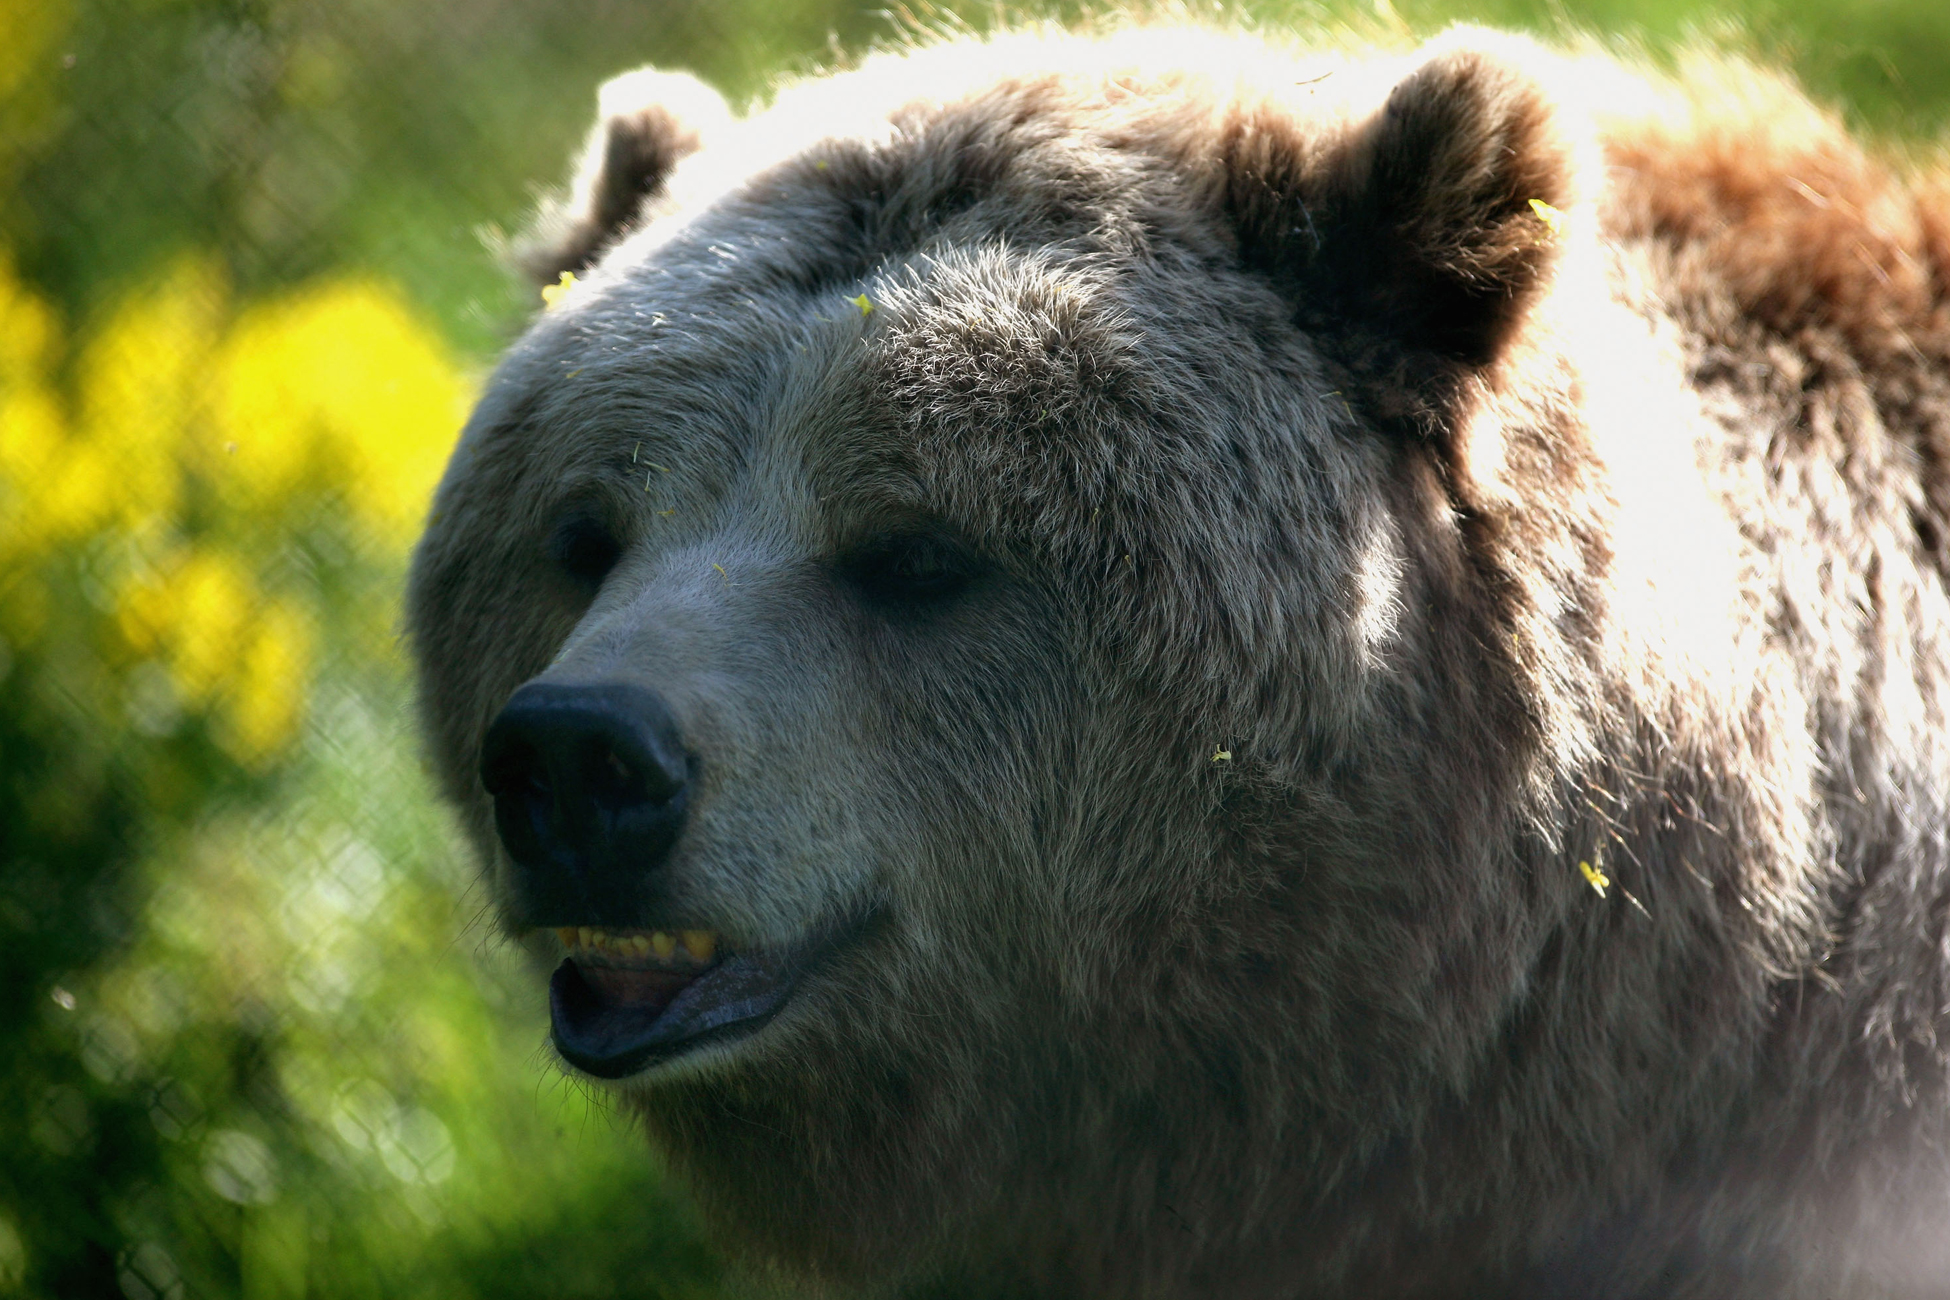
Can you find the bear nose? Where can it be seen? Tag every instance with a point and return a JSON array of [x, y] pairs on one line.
[[590, 784]]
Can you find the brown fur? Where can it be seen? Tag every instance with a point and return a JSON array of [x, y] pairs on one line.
[[1281, 425], [649, 122]]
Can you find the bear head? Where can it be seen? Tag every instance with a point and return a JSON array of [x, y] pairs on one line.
[[1022, 629]]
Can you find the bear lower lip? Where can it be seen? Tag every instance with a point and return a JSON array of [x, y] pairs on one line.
[[613, 1022]]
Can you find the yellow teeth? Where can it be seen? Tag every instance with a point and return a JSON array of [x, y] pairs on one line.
[[699, 946]]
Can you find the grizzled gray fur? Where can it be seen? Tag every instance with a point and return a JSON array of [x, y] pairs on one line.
[[1314, 727]]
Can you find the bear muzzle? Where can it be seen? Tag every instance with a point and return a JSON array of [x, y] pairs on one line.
[[591, 785]]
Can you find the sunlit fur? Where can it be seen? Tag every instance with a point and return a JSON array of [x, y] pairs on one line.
[[1363, 552]]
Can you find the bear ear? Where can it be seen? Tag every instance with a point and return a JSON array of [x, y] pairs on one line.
[[647, 122], [1417, 240]]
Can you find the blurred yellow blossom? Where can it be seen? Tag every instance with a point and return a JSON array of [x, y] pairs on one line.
[[342, 383], [203, 443], [27, 330], [33, 436], [141, 388], [267, 702], [32, 425], [194, 616], [244, 658]]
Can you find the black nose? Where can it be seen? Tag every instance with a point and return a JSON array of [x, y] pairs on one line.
[[590, 784]]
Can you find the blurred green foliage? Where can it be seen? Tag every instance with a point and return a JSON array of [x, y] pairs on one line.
[[253, 1041]]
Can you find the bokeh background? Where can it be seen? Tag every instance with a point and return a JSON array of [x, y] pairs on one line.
[[255, 1040]]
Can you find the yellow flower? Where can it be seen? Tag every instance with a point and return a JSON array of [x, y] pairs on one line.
[[33, 447], [27, 331], [33, 423], [141, 395], [1553, 220], [265, 700], [1597, 879], [555, 293], [336, 388], [193, 614], [245, 658]]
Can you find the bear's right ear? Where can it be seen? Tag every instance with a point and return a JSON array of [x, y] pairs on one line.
[[647, 122], [1415, 242]]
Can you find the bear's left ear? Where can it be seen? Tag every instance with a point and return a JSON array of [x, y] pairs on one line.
[[1416, 241], [647, 122]]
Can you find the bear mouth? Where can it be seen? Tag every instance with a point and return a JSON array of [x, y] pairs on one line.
[[624, 1000]]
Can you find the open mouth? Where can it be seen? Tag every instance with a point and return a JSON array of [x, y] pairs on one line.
[[625, 999]]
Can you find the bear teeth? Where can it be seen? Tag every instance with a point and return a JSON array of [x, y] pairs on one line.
[[698, 946]]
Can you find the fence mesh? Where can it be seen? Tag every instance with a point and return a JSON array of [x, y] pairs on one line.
[[254, 1040]]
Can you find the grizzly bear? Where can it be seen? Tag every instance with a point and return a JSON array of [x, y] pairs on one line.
[[1146, 664]]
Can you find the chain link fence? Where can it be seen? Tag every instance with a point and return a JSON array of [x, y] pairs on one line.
[[254, 1038]]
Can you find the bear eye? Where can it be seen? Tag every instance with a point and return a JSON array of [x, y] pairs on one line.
[[915, 569], [584, 548]]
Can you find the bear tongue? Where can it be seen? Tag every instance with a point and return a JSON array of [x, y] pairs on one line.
[[635, 989]]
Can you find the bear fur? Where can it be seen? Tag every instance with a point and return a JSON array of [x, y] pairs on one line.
[[1429, 776]]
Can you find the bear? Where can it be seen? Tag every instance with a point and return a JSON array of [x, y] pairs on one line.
[[1164, 662]]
